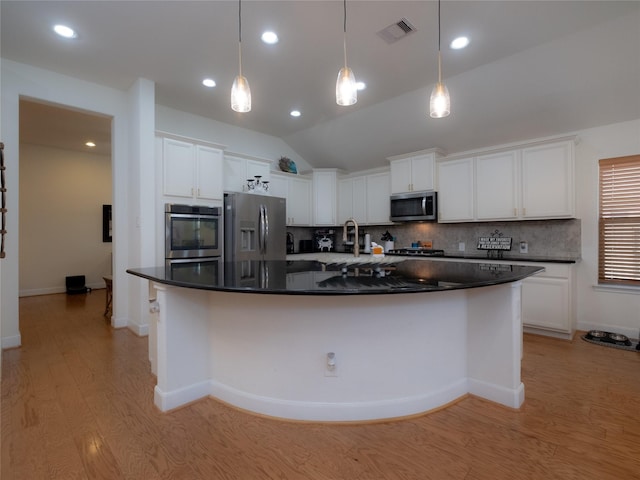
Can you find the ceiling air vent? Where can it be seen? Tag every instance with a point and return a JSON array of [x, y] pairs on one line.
[[396, 31]]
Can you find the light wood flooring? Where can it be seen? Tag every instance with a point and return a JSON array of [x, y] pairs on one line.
[[77, 403]]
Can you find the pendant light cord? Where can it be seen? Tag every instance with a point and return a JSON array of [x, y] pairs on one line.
[[439, 57], [344, 27], [240, 37]]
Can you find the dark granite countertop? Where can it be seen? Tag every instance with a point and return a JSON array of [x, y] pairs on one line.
[[307, 277]]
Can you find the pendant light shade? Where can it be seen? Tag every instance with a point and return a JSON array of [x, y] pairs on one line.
[[241, 95], [346, 88], [240, 91], [440, 102]]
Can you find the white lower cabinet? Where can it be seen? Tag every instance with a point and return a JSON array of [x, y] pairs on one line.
[[548, 301], [548, 297]]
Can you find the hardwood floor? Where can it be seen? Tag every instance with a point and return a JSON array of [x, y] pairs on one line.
[[77, 403]]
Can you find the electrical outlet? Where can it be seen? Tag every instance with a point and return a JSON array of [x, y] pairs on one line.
[[524, 247], [331, 367], [461, 246]]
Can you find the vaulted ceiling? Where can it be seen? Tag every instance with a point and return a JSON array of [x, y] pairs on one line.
[[532, 69]]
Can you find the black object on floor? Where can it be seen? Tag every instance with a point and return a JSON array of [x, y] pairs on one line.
[[76, 284], [610, 339]]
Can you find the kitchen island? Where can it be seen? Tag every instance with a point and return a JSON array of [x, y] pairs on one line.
[[407, 336]]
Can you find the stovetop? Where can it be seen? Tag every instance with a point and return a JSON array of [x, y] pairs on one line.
[[417, 251]]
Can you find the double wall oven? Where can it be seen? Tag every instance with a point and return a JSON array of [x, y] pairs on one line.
[[193, 236]]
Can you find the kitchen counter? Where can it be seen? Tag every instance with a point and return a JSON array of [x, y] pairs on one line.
[[339, 275], [453, 256], [416, 338]]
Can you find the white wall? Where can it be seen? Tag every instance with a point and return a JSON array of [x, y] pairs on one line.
[[19, 80], [235, 139], [615, 310], [61, 198]]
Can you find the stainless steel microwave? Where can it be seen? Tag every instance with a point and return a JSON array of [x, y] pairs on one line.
[[414, 206]]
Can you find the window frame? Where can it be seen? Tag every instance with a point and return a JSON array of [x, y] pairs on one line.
[[619, 221]]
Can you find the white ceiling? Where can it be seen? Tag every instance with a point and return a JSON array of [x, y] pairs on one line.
[[533, 68]]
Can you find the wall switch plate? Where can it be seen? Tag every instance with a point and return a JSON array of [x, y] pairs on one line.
[[461, 246], [524, 247]]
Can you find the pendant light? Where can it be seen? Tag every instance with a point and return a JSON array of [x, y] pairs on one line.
[[240, 91], [346, 88], [440, 102]]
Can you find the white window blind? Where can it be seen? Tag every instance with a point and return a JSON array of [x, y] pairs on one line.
[[619, 224]]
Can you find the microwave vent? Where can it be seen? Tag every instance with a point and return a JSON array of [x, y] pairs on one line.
[[396, 31]]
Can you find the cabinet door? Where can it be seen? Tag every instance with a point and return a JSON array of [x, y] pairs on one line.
[[361, 199], [324, 198], [279, 186], [178, 168], [547, 181], [209, 173], [422, 172], [235, 173], [401, 176], [345, 199], [497, 186], [378, 192], [545, 303], [258, 168], [299, 201], [455, 190]]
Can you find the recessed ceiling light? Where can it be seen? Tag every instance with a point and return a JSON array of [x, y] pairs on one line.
[[65, 31], [361, 85], [295, 113], [90, 144], [270, 37], [209, 82], [459, 43]]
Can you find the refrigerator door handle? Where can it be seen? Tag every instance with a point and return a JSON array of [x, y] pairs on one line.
[[265, 229], [262, 233]]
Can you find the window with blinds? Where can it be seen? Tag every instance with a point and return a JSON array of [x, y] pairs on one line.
[[619, 224]]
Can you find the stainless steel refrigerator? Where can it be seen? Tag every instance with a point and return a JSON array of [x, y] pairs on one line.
[[254, 227]]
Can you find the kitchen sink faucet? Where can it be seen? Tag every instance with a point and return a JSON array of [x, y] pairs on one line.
[[356, 243]]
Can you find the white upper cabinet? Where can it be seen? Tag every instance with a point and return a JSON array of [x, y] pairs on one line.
[[352, 199], [191, 170], [325, 184], [297, 191], [365, 198], [456, 190], [412, 173], [548, 181], [378, 192], [532, 182], [497, 185], [238, 169]]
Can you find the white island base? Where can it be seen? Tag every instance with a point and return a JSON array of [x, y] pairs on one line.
[[395, 355]]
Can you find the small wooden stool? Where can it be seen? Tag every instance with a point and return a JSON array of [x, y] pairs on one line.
[[108, 280]]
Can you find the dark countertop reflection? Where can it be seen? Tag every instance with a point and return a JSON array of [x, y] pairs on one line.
[[301, 277]]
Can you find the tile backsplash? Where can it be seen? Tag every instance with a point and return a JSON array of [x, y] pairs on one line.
[[545, 238]]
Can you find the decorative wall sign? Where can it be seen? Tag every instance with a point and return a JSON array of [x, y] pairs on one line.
[[495, 241]]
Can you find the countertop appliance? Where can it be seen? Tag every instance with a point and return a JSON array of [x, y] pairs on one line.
[[414, 206], [417, 252], [254, 227]]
